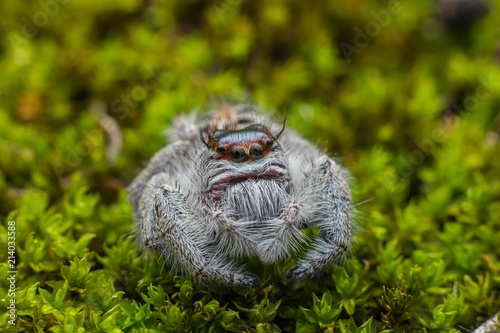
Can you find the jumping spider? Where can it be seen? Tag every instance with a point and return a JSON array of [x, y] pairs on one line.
[[230, 188]]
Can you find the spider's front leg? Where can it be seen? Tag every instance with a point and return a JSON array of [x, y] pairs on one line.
[[169, 225], [171, 157], [286, 232], [229, 236], [332, 213]]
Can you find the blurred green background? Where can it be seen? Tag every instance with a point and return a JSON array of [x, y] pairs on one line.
[[405, 94]]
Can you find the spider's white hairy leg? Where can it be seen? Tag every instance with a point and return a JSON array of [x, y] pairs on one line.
[[288, 237], [162, 161], [173, 230], [229, 236], [250, 209], [333, 219], [489, 326]]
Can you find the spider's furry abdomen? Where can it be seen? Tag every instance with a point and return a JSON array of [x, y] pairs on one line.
[[246, 187]]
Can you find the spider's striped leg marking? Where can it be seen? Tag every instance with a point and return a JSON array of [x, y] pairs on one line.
[[173, 228], [333, 219], [287, 235]]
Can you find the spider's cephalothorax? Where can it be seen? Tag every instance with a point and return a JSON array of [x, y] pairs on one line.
[[233, 189]]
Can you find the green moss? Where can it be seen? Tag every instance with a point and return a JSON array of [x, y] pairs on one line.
[[413, 114]]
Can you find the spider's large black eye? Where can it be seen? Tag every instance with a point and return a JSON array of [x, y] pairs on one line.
[[269, 142], [237, 154], [256, 151], [220, 149]]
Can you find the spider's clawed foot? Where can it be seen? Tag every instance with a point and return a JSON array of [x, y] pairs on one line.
[[297, 274], [248, 280]]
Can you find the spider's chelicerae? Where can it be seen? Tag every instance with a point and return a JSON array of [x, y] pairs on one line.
[[236, 185]]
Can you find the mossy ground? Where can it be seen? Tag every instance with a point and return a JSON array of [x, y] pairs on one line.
[[412, 112]]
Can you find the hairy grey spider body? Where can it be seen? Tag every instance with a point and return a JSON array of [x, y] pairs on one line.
[[229, 188]]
